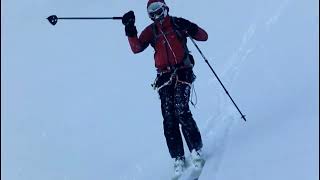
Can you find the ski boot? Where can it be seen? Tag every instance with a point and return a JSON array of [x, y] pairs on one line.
[[179, 165], [197, 159]]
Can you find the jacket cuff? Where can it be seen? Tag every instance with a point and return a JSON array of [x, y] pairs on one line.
[[131, 30]]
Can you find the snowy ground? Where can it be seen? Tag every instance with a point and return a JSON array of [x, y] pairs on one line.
[[77, 104]]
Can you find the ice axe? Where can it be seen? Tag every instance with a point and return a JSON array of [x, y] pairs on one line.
[[53, 19]]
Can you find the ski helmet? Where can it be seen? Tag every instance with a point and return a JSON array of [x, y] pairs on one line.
[[157, 9]]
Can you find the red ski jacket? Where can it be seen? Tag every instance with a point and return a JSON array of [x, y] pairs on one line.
[[166, 54]]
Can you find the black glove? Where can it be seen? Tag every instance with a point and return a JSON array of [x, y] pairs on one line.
[[184, 24], [128, 19]]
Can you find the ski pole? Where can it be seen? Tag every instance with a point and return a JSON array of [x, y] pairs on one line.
[[206, 60], [54, 19]]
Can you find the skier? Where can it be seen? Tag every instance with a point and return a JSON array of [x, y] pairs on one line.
[[168, 36]]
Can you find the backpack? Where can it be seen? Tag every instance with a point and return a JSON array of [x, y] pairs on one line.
[[188, 60]]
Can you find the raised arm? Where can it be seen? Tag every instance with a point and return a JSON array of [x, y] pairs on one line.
[[137, 44]]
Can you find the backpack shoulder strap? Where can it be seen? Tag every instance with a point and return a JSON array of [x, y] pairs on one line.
[[175, 27], [179, 34], [183, 40], [154, 34]]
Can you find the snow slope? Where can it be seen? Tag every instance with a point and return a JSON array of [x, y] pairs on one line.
[[78, 105]]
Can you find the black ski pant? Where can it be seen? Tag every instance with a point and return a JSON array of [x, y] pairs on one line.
[[175, 111]]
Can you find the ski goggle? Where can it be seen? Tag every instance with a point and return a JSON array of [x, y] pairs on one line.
[[157, 10]]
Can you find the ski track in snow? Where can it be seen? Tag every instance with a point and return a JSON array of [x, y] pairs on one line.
[[273, 19], [218, 127]]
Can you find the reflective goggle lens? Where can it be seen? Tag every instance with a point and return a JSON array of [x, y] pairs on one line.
[[156, 13]]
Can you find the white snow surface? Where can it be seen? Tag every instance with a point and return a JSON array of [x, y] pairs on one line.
[[76, 103]]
